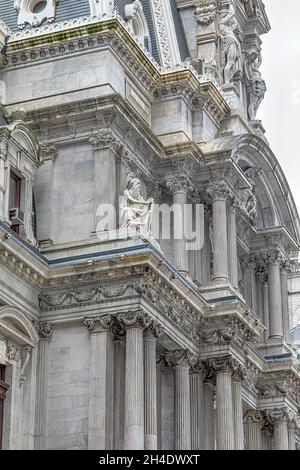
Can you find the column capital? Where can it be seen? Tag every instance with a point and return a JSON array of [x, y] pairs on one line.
[[181, 184], [223, 364], [44, 329], [274, 257], [98, 324], [135, 319], [254, 417], [277, 415], [104, 138], [154, 330], [48, 152], [219, 190], [179, 358]]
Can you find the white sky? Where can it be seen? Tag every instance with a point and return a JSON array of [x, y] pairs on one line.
[[280, 111]]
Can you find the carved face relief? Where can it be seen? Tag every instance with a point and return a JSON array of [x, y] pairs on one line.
[[34, 12]]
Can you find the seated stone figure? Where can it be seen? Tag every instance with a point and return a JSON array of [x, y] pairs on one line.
[[136, 212]]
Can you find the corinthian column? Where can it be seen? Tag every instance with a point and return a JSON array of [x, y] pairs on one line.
[[219, 194], [150, 338], [179, 189], [45, 334], [135, 324], [238, 410], [281, 435], [232, 244], [180, 361], [253, 429], [100, 425], [197, 406], [276, 321], [223, 367], [285, 300]]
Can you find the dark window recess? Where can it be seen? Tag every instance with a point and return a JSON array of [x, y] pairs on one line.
[[14, 195], [33, 215]]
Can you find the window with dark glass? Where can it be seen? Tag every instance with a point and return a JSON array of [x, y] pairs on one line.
[[14, 195]]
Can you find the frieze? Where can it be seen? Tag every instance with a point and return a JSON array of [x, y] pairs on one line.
[[69, 298]]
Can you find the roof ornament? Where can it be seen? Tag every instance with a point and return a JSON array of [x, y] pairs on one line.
[[35, 12]]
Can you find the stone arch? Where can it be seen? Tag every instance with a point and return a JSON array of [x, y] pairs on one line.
[[22, 136], [16, 325]]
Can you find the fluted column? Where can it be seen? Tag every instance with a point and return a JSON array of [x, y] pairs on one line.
[[119, 387], [253, 429], [180, 360], [292, 436], [232, 244], [135, 324], [285, 300], [209, 416], [219, 194], [197, 406], [276, 319], [45, 333], [223, 367], [238, 410], [179, 189], [249, 263], [281, 435], [150, 339], [100, 424], [266, 308]]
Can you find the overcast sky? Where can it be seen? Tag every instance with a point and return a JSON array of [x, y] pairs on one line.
[[280, 111]]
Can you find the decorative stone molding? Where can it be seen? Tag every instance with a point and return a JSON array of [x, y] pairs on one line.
[[164, 26], [217, 336], [271, 390], [206, 12], [73, 297], [98, 324], [219, 190], [179, 358], [35, 12], [137, 21]]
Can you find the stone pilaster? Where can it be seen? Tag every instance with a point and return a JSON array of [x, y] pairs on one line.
[[180, 361], [45, 332], [151, 334], [119, 385], [253, 429], [100, 425], [249, 263], [275, 298], [135, 323]]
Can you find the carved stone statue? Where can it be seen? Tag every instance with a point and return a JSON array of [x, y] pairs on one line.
[[136, 212], [231, 47], [248, 200], [255, 84]]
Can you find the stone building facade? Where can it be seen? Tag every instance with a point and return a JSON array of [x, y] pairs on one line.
[[118, 341]]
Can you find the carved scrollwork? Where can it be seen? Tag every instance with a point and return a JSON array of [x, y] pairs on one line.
[[44, 329], [135, 319], [205, 12]]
